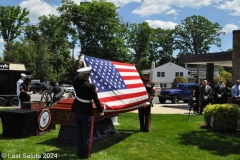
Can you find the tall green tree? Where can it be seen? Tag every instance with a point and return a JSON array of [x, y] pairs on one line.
[[99, 28], [161, 46], [196, 35], [139, 41], [55, 32], [12, 21]]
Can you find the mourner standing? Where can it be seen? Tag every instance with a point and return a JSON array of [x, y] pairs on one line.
[[145, 112], [206, 95], [220, 93], [236, 93], [83, 110], [19, 90], [56, 89], [196, 94]]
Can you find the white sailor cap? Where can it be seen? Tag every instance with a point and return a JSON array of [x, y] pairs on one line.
[[146, 73], [85, 70], [23, 75]]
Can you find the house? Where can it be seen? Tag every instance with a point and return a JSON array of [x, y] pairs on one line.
[[164, 75]]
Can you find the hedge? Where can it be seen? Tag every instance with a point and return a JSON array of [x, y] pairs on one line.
[[222, 117]]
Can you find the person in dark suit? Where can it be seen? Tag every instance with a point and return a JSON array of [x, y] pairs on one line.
[[206, 95], [220, 92], [144, 113], [196, 94], [83, 111], [56, 89]]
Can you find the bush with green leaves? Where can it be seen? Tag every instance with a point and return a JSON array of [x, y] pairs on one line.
[[216, 80], [225, 117], [179, 79], [228, 77]]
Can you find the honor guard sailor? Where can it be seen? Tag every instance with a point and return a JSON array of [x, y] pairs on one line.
[[22, 90], [83, 110], [144, 113]]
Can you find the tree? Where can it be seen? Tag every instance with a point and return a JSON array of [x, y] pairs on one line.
[[196, 34], [12, 21], [179, 79], [99, 28], [139, 41], [161, 46]]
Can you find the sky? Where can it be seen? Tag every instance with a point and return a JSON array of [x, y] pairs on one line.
[[165, 14]]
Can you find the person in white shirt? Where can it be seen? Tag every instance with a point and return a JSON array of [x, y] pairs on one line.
[[19, 82], [236, 92]]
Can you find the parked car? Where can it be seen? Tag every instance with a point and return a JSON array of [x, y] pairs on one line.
[[179, 91], [67, 87], [40, 87]]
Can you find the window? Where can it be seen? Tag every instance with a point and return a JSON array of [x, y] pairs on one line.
[[160, 74], [163, 85], [178, 74]]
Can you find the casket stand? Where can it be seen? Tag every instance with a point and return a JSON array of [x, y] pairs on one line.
[[61, 114]]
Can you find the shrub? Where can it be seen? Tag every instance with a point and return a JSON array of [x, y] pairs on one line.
[[225, 117], [179, 79], [228, 77], [216, 79]]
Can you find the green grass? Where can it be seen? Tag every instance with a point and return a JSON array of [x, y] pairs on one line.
[[172, 137]]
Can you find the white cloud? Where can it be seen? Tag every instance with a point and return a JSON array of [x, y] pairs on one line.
[[171, 12], [161, 24], [150, 7], [123, 2], [229, 28], [1, 40], [38, 8], [232, 6]]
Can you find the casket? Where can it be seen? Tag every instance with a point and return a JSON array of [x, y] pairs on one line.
[[61, 113]]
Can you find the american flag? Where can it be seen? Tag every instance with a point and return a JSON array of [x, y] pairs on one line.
[[118, 84]]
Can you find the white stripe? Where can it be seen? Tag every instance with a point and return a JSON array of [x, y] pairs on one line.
[[134, 81], [124, 67], [127, 101], [129, 74], [125, 109], [121, 92]]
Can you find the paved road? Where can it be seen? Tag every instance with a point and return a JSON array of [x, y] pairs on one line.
[[167, 108]]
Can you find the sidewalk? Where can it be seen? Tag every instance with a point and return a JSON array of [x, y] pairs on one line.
[[169, 109]]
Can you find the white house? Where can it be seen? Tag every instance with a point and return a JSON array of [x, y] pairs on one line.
[[164, 75]]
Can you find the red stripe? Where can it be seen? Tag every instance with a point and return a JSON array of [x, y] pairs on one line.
[[90, 139], [120, 63], [125, 105], [130, 77], [126, 70], [134, 85], [122, 97]]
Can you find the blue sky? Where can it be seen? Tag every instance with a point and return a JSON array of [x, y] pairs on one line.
[[158, 13]]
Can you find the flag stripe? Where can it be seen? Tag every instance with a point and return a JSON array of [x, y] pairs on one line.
[[119, 84], [123, 96]]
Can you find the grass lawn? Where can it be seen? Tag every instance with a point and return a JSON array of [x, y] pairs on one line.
[[172, 137]]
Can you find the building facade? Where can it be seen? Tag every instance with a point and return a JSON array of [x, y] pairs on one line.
[[164, 75]]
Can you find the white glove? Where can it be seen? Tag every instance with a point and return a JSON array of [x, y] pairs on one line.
[[148, 103], [101, 113], [29, 93], [219, 95]]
